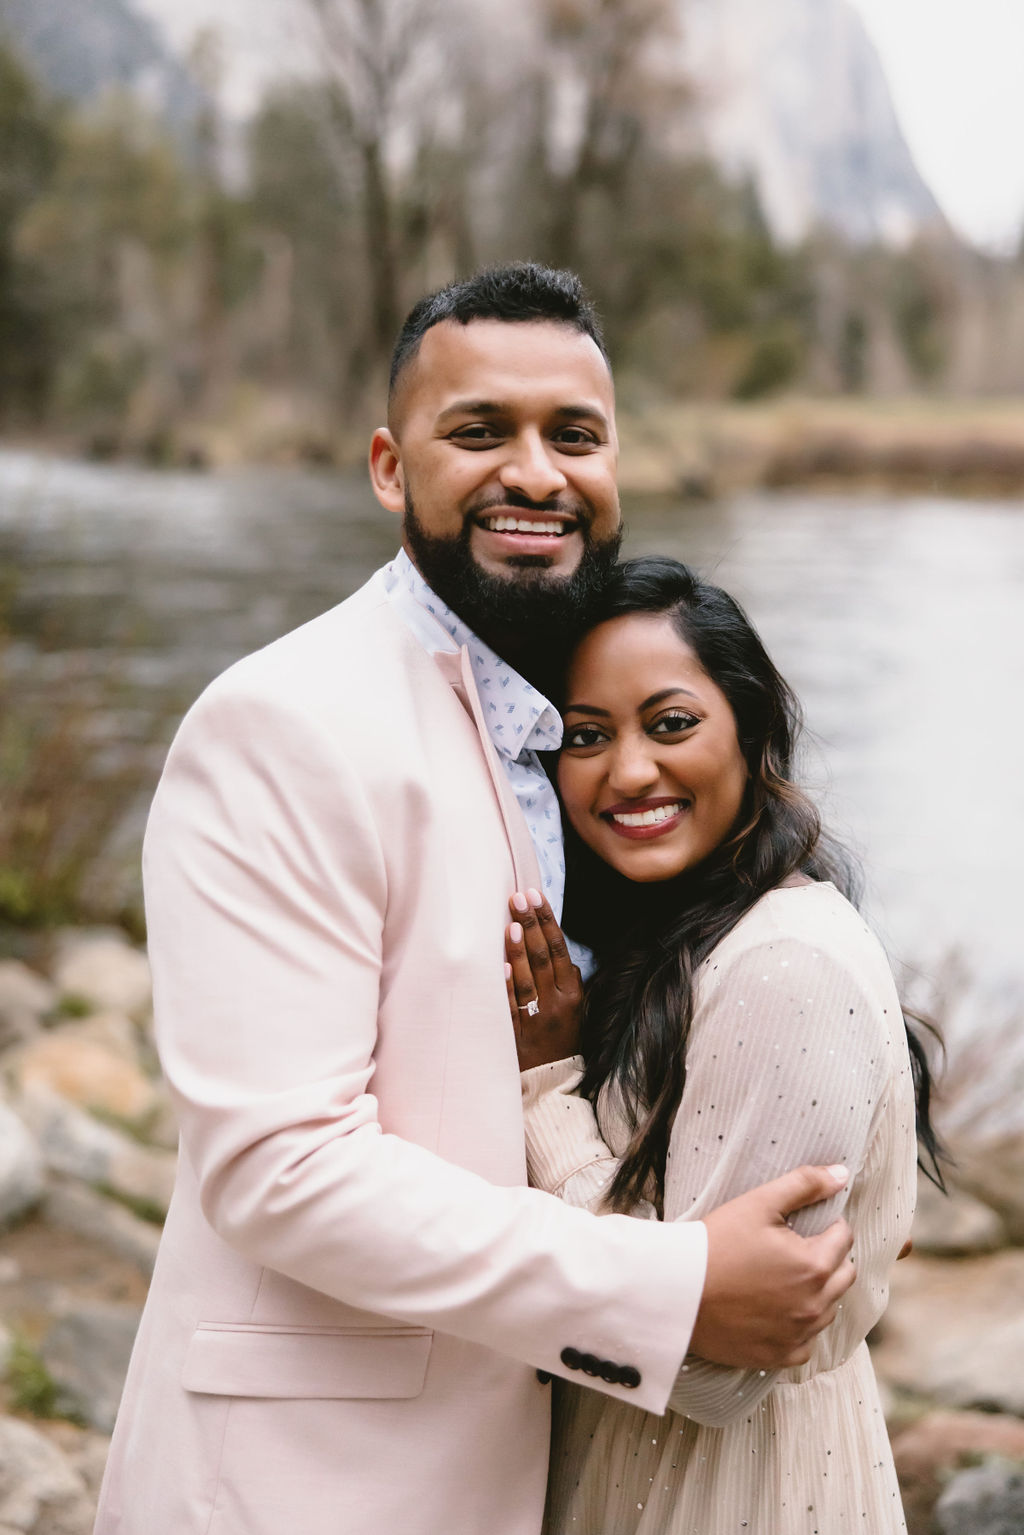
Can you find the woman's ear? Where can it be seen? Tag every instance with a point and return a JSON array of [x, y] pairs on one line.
[[387, 475]]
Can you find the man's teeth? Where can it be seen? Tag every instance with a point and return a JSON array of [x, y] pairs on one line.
[[648, 817], [520, 525]]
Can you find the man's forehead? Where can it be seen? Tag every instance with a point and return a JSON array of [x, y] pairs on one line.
[[485, 359]]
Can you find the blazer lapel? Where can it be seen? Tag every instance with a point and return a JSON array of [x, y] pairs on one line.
[[458, 673]]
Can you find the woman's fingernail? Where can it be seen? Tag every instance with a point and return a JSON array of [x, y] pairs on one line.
[[534, 897], [515, 932], [840, 1173], [508, 971], [519, 902]]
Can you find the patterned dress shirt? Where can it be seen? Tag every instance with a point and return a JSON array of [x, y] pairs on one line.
[[520, 721]]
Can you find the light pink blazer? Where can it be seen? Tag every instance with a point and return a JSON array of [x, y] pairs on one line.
[[355, 1289]]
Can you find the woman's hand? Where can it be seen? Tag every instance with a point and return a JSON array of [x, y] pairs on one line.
[[545, 993]]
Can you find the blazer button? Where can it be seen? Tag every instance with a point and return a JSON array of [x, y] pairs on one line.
[[629, 1376], [590, 1364], [612, 1373], [571, 1358]]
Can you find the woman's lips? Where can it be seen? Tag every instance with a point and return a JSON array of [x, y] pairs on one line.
[[644, 821]]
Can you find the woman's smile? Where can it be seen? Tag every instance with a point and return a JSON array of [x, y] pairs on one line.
[[647, 818]]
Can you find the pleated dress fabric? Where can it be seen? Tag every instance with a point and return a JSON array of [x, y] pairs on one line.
[[797, 1053]]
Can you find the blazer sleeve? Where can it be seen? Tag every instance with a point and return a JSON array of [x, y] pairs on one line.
[[266, 892], [788, 1065]]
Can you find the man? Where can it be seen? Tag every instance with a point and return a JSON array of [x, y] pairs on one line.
[[357, 1301]]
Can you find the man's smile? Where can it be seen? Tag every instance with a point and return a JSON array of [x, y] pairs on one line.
[[510, 523]]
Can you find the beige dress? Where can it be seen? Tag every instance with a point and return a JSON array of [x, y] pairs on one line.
[[797, 1054]]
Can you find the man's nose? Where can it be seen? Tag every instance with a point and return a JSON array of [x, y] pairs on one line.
[[532, 469]]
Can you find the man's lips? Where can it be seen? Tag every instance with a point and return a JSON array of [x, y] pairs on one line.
[[641, 820]]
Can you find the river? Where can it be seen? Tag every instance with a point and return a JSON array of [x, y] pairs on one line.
[[899, 622]]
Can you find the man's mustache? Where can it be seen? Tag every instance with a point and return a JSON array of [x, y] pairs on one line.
[[565, 507]]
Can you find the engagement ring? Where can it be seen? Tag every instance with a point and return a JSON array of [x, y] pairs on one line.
[[532, 1008]]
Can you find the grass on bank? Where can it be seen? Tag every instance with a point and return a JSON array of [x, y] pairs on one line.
[[62, 800]]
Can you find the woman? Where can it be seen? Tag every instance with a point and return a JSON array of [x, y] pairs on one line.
[[741, 1020]]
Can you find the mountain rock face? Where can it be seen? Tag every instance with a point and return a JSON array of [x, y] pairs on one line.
[[793, 93], [82, 50], [788, 92]]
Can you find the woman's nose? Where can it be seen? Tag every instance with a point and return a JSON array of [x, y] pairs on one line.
[[633, 770]]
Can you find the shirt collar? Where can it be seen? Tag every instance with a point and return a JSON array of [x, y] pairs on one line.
[[518, 715]]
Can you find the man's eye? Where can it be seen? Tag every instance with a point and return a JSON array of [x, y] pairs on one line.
[[674, 724], [583, 737], [478, 435], [575, 437]]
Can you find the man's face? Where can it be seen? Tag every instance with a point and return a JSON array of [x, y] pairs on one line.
[[501, 457]]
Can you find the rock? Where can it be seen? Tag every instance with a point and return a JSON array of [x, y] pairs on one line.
[[942, 1442], [987, 1500], [40, 1493], [101, 967], [85, 1450], [25, 999], [86, 1352], [954, 1331], [21, 1167], [86, 1072], [956, 1223], [80, 1147], [73, 1207], [114, 1031]]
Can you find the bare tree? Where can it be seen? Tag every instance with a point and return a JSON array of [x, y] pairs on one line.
[[376, 54], [602, 70]]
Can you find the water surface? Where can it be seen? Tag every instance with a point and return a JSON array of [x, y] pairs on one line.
[[897, 620]]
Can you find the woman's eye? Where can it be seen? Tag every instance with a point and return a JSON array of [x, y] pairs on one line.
[[582, 737], [674, 724]]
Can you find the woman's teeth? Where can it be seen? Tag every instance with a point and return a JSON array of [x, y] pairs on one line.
[[649, 817], [520, 525]]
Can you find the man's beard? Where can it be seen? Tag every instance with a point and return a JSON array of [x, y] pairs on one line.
[[536, 611]]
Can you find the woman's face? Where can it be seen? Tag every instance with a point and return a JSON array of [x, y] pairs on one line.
[[651, 771]]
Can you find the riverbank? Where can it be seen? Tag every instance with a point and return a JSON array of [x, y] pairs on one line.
[[87, 1155], [913, 445], [694, 450]]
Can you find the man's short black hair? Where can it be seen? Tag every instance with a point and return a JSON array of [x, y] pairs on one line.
[[521, 291]]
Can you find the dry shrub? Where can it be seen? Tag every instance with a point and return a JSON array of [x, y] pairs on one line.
[[980, 1102], [65, 789]]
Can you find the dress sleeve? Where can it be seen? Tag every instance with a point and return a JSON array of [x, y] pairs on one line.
[[788, 1064], [565, 1151]]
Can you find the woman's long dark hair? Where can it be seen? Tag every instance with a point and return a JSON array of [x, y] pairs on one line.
[[649, 938]]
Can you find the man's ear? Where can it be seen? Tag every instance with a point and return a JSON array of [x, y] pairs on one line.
[[386, 473]]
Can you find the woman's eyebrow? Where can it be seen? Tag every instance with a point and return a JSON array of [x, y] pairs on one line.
[[659, 698], [648, 703]]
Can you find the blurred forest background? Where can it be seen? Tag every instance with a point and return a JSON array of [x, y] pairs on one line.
[[193, 289]]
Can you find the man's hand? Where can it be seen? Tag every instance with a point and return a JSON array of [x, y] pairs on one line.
[[768, 1291]]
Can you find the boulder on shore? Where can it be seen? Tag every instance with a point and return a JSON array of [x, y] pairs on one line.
[[21, 1167], [101, 968], [40, 1493]]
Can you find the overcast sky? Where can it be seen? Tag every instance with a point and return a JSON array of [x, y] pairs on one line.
[[956, 69]]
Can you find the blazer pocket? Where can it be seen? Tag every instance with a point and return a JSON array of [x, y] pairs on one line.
[[254, 1359]]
